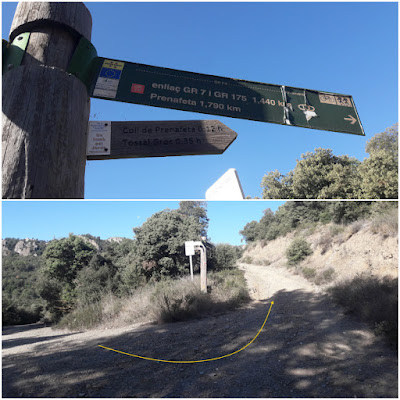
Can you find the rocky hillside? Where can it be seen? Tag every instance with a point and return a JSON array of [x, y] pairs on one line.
[[338, 252], [35, 247], [24, 247]]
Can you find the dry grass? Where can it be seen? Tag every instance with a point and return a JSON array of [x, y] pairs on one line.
[[309, 273], [247, 260], [261, 261], [373, 300], [386, 224], [165, 301]]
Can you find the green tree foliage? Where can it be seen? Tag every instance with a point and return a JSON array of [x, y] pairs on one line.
[[223, 256], [379, 172], [277, 186], [95, 279], [323, 175], [63, 259], [160, 240], [293, 214], [80, 270], [124, 258], [317, 175], [196, 210], [298, 250], [250, 232], [268, 226], [288, 217], [347, 212], [12, 314], [299, 214], [21, 301]]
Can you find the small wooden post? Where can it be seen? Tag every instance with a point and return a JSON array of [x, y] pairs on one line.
[[46, 110], [203, 269]]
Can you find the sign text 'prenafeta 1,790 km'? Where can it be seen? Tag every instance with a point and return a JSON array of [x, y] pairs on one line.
[[209, 94]]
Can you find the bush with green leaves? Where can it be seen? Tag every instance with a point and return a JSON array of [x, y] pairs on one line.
[[297, 251], [373, 300], [309, 273], [247, 260], [323, 175], [317, 175], [13, 314], [298, 215], [160, 240], [19, 284], [63, 260], [223, 256], [379, 172]]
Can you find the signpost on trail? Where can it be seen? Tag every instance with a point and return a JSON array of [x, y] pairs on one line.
[[182, 90], [190, 248], [45, 144], [109, 140], [189, 251], [45, 109]]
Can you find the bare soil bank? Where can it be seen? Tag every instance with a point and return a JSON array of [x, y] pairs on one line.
[[351, 250], [307, 349]]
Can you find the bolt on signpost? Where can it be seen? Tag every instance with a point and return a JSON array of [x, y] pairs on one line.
[[45, 132], [190, 248]]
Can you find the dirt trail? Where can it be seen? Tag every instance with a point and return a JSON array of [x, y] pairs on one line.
[[307, 349], [264, 281]]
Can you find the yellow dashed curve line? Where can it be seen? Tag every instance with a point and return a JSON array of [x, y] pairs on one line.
[[195, 361]]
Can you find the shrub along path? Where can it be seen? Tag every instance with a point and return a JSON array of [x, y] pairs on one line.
[[307, 349]]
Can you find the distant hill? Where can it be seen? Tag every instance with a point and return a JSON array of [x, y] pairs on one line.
[[35, 247]]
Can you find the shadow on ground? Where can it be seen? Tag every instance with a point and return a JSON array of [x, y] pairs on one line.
[[308, 348]]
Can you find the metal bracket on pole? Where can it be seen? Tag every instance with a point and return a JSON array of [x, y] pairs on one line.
[[84, 62], [13, 53]]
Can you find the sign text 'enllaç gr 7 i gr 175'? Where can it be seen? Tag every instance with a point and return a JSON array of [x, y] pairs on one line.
[[189, 91]]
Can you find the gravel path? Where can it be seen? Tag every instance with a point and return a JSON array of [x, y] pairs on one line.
[[308, 348]]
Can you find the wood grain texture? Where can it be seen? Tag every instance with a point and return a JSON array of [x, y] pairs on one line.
[[74, 17], [45, 114], [45, 110], [166, 138]]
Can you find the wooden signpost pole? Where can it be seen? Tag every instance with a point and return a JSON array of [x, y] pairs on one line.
[[203, 268], [45, 109], [190, 248]]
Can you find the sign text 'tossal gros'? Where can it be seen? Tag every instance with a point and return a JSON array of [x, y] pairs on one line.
[[124, 139]]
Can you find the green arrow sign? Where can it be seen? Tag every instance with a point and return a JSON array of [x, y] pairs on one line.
[[188, 91]]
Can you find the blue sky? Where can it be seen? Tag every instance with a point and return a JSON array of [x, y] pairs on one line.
[[348, 48], [56, 219]]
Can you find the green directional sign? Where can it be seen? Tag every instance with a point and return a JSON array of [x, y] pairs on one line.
[[188, 91]]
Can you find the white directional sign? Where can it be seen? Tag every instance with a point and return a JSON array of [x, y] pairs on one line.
[[189, 248], [99, 138], [227, 187]]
